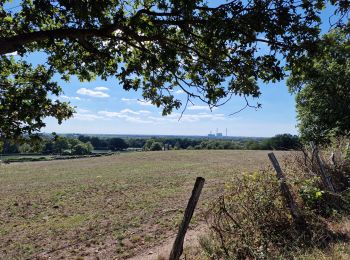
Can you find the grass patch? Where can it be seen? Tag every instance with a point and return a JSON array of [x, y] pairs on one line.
[[110, 206]]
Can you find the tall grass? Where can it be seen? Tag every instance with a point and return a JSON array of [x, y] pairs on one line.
[[251, 219]]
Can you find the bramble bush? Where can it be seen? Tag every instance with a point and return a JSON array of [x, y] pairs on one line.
[[250, 220], [304, 172]]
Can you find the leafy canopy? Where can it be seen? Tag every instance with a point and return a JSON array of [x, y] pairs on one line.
[[208, 50], [322, 87]]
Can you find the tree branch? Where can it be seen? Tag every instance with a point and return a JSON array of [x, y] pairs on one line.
[[246, 106], [11, 44]]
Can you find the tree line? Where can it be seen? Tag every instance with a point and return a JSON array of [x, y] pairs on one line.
[[62, 145], [278, 142], [54, 144]]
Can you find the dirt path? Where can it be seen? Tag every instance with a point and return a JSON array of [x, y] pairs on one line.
[[162, 251]]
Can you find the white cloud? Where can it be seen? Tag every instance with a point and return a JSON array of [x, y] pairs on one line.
[[180, 91], [12, 53], [145, 117], [109, 113], [196, 107], [123, 115], [145, 112], [138, 120], [70, 98], [92, 93], [129, 100], [81, 110], [125, 111], [197, 117], [176, 117], [87, 116], [101, 88], [141, 102]]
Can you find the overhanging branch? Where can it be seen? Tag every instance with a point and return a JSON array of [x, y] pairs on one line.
[[11, 44]]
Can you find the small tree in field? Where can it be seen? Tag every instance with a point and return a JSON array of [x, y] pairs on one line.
[[61, 143], [82, 148], [156, 146]]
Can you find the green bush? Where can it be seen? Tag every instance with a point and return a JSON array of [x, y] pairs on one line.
[[82, 148], [305, 174], [251, 220], [156, 146], [248, 220]]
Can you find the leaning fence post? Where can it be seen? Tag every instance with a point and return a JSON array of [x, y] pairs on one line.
[[332, 158], [298, 218], [326, 178], [177, 249]]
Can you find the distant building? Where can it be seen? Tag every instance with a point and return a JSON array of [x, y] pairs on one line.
[[217, 135]]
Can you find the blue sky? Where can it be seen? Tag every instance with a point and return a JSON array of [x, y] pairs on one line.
[[103, 107]]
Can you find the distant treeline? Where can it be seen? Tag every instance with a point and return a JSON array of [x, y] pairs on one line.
[[53, 144], [58, 144]]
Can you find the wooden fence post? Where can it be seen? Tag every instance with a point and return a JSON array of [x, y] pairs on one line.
[[347, 150], [332, 158], [326, 178], [298, 218], [177, 249]]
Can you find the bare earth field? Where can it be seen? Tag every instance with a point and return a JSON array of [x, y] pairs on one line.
[[108, 207]]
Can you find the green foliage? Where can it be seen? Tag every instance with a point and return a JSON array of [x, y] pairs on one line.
[[82, 148], [136, 142], [24, 98], [148, 144], [60, 144], [322, 87], [48, 147], [57, 145], [305, 172], [117, 144], [26, 148], [9, 147], [208, 50], [156, 146], [281, 142], [310, 192], [253, 145], [250, 221]]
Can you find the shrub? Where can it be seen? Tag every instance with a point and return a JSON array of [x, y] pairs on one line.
[[251, 221], [305, 173], [148, 144], [82, 148], [156, 146]]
